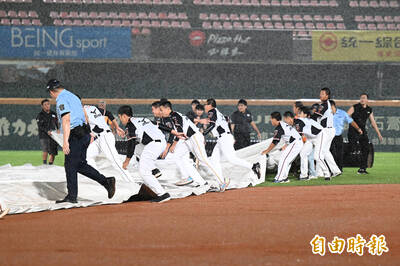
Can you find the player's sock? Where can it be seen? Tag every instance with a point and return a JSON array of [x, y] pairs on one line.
[[44, 161]]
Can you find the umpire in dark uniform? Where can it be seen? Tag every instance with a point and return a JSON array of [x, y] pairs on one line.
[[76, 139], [360, 113], [241, 120], [47, 121]]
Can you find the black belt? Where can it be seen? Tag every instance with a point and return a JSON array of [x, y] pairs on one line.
[[220, 135], [157, 140]]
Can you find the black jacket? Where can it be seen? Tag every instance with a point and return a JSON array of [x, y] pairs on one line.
[[46, 122]]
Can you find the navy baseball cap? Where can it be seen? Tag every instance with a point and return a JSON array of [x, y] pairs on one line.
[[53, 84]]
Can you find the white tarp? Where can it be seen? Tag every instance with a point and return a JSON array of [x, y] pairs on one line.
[[30, 188]]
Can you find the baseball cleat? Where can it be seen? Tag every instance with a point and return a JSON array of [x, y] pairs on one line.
[[3, 212], [362, 171], [257, 169], [156, 172], [184, 182], [336, 174], [304, 178], [110, 186], [162, 198], [327, 178], [313, 177], [282, 181], [225, 185]]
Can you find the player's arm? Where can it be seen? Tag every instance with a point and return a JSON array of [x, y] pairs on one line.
[[275, 140], [350, 111], [131, 144], [212, 119], [66, 126], [253, 124], [375, 126]]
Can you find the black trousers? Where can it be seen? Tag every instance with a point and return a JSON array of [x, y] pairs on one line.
[[360, 142], [75, 162], [242, 140], [337, 151]]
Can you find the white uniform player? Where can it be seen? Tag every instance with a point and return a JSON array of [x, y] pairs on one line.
[[292, 147], [104, 142], [322, 154], [220, 129], [312, 130], [145, 132], [195, 144]]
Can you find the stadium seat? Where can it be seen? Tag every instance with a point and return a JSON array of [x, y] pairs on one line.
[[254, 17], [287, 17], [175, 24], [234, 17], [353, 4], [3, 14], [77, 22], [237, 25], [359, 18], [374, 4], [217, 25], [394, 4], [224, 16], [299, 25], [338, 18], [5, 21], [340, 26], [289, 25], [308, 18], [15, 22], [381, 26], [87, 22], [248, 25], [279, 26], [165, 24], [227, 25], [265, 3], [371, 26], [268, 25], [25, 22], [362, 26], [12, 14], [258, 25], [276, 17]]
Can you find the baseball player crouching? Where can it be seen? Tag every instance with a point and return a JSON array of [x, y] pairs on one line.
[[291, 149], [181, 148], [145, 132], [104, 141], [219, 127]]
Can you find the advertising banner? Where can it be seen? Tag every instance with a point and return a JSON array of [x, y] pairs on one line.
[[376, 46], [64, 42]]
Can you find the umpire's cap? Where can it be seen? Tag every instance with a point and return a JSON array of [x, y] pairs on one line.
[[53, 84]]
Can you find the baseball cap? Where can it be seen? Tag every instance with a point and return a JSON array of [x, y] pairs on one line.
[[53, 84]]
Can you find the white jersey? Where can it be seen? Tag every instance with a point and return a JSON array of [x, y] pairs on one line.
[[144, 130], [326, 114], [221, 124], [96, 118], [286, 132], [182, 122], [311, 128]]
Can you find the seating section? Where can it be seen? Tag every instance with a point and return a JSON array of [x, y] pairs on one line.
[[298, 16], [375, 4], [377, 22], [121, 19], [268, 3], [271, 21], [21, 17], [118, 2]]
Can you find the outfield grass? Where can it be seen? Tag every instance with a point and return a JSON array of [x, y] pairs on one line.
[[386, 169]]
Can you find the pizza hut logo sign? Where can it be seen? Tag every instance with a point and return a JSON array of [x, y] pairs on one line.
[[197, 38]]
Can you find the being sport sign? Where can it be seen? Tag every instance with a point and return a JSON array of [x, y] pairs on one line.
[[375, 46], [65, 42]]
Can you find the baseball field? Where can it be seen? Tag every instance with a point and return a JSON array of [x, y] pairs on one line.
[[273, 224]]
